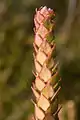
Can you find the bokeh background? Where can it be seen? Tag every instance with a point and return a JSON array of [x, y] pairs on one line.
[[16, 60]]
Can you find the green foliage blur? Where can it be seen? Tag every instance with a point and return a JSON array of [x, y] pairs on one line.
[[16, 60]]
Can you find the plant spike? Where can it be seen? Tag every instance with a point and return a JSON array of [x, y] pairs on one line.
[[46, 86]]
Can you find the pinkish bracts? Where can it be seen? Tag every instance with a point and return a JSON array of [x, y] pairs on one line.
[[46, 68]]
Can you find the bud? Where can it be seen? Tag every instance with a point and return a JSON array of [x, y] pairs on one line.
[[46, 86]]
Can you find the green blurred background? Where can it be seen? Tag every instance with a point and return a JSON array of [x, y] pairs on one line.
[[16, 60]]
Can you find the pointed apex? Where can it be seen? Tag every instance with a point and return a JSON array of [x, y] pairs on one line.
[[35, 92]]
